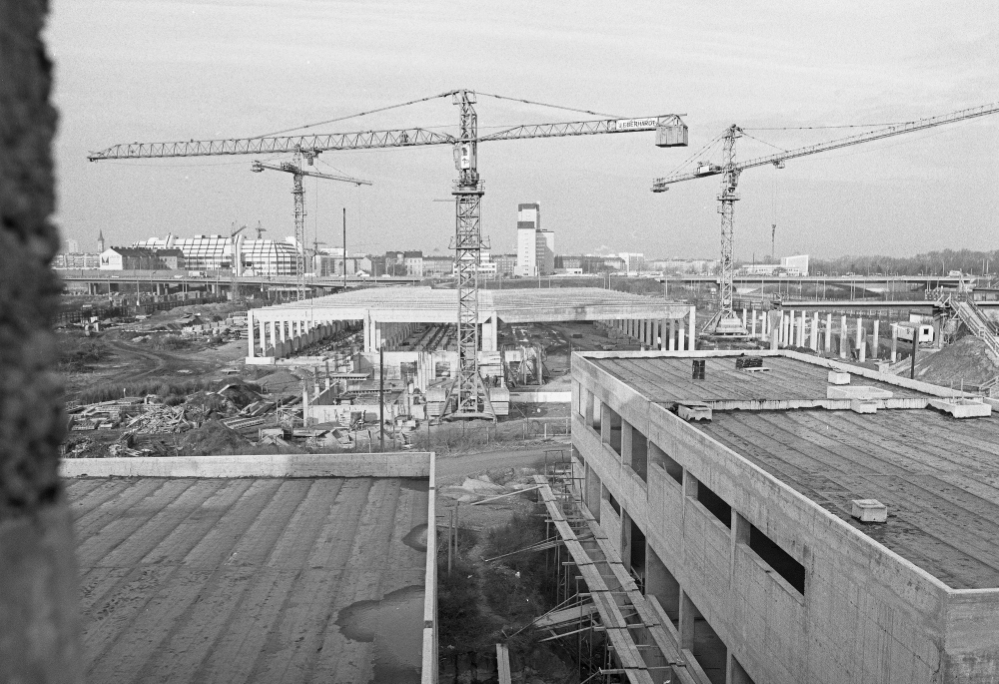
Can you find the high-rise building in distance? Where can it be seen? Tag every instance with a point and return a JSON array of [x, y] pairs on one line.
[[535, 247]]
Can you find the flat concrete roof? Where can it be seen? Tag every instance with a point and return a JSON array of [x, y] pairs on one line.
[[251, 579], [669, 379], [430, 305], [938, 476]]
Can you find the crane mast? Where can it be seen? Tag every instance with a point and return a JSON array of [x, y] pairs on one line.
[[298, 192], [725, 323], [467, 397]]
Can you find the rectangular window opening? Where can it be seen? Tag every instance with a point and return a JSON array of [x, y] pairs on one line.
[[659, 456], [777, 558], [613, 502], [639, 455], [715, 504]]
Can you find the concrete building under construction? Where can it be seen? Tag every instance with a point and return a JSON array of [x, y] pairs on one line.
[[792, 519]]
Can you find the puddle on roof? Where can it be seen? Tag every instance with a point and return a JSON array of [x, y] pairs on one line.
[[395, 625]]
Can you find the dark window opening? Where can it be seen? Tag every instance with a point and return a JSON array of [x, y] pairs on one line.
[[778, 559], [672, 468], [715, 504], [640, 455], [615, 431], [614, 504]]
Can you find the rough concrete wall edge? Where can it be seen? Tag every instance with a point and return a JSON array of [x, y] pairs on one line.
[[413, 464]]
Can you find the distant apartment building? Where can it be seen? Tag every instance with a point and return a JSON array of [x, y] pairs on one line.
[[795, 265], [70, 246], [77, 261], [535, 246], [437, 266], [413, 261], [506, 264], [689, 266], [634, 262], [140, 259], [792, 266]]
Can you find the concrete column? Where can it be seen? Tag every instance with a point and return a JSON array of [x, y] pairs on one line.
[[813, 341], [687, 615], [263, 337], [605, 423], [753, 330], [283, 330], [894, 342], [804, 325], [744, 313], [679, 339], [782, 326], [860, 332], [664, 341], [249, 334], [672, 334], [875, 343], [627, 439], [843, 335], [692, 329], [274, 336], [828, 333]]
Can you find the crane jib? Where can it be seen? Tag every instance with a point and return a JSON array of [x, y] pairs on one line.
[[648, 124]]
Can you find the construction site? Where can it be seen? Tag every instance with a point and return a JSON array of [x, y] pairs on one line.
[[374, 444]]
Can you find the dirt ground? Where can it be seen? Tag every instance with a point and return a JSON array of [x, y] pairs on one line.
[[127, 360], [968, 361]]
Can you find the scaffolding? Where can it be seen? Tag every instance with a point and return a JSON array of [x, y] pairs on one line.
[[621, 635]]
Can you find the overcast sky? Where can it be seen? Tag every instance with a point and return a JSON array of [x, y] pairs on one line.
[[161, 70]]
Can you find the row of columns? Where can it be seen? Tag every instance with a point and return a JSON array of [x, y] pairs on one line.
[[667, 334], [787, 328], [279, 338]]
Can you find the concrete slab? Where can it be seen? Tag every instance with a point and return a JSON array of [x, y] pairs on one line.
[[251, 580]]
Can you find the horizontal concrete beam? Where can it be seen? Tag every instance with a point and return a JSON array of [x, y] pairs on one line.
[[408, 464]]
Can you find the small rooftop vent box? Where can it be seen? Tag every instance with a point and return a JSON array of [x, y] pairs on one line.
[[869, 511], [693, 411], [960, 407], [839, 378]]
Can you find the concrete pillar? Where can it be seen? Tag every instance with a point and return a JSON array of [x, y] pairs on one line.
[[263, 338], [813, 341], [679, 339], [249, 334], [273, 334], [782, 327], [627, 440], [39, 628], [894, 342], [876, 343], [860, 332], [801, 331], [692, 329], [843, 335], [752, 331], [664, 341], [744, 313], [283, 330], [828, 333], [672, 334], [687, 615]]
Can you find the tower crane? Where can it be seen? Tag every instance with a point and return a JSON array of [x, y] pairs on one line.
[[298, 190], [467, 397], [725, 323]]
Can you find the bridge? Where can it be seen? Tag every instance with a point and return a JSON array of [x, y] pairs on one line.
[[216, 282]]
